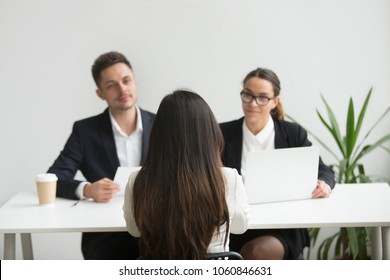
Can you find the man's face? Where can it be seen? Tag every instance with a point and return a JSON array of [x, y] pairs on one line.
[[118, 87]]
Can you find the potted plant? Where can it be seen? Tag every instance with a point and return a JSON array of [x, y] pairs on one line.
[[350, 243]]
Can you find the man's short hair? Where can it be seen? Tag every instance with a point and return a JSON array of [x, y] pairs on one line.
[[106, 60]]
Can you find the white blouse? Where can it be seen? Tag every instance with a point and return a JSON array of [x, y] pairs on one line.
[[237, 203]]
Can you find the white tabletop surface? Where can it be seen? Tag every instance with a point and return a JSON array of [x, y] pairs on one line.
[[23, 214], [348, 206]]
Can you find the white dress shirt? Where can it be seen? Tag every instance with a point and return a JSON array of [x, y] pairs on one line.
[[128, 147]]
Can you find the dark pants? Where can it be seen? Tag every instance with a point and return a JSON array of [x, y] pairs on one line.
[[109, 246]]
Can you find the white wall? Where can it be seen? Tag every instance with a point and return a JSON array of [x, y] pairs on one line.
[[339, 48]]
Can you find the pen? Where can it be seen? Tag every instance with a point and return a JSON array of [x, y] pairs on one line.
[[74, 204]]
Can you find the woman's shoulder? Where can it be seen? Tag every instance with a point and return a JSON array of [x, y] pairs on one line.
[[288, 126], [231, 174], [134, 173], [231, 124], [229, 170], [131, 179]]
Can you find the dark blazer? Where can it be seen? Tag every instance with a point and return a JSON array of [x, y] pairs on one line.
[[287, 135], [91, 149]]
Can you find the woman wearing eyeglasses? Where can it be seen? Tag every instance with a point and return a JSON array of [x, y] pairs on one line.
[[263, 128]]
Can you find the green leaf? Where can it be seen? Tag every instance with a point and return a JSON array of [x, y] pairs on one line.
[[323, 249], [337, 247], [368, 233], [362, 242], [369, 148], [341, 178], [350, 136], [371, 129], [353, 241], [362, 175], [340, 248], [313, 232], [335, 127], [362, 114], [386, 149], [331, 130], [315, 137]]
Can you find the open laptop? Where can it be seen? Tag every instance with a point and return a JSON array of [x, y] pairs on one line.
[[122, 177], [281, 174]]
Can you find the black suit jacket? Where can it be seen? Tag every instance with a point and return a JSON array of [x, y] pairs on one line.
[[287, 135], [91, 149]]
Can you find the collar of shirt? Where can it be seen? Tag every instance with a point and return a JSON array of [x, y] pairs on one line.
[[117, 129], [264, 138]]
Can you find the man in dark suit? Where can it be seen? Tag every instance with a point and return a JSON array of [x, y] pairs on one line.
[[98, 145]]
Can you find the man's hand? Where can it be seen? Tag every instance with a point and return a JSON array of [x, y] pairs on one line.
[[321, 191], [101, 191]]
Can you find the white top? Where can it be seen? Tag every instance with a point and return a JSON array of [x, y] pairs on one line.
[[236, 200]]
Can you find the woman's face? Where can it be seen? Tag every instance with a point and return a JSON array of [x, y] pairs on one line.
[[256, 116]]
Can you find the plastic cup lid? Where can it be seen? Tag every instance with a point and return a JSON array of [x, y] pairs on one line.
[[46, 177]]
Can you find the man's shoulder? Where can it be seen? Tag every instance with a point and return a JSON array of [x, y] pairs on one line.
[[147, 114], [92, 120], [147, 119]]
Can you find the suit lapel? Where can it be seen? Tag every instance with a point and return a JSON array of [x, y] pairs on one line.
[[237, 143], [147, 122], [107, 136], [233, 145], [281, 140]]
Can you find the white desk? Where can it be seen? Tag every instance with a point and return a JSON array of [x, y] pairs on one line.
[[355, 205]]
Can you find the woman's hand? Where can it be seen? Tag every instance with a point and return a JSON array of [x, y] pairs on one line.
[[322, 190]]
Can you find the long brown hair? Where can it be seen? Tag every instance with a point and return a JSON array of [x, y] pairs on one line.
[[179, 193], [270, 76]]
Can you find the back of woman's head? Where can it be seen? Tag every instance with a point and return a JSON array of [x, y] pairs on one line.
[[179, 194], [270, 76]]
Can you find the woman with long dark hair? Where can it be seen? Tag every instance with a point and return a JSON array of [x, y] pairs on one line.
[[182, 203], [263, 128]]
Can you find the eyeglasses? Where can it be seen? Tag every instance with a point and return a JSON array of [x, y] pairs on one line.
[[260, 100]]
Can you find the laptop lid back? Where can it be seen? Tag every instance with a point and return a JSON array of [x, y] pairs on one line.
[[281, 174]]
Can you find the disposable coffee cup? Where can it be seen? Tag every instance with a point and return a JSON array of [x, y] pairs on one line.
[[46, 188]]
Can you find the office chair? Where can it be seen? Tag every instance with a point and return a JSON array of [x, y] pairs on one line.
[[230, 255]]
